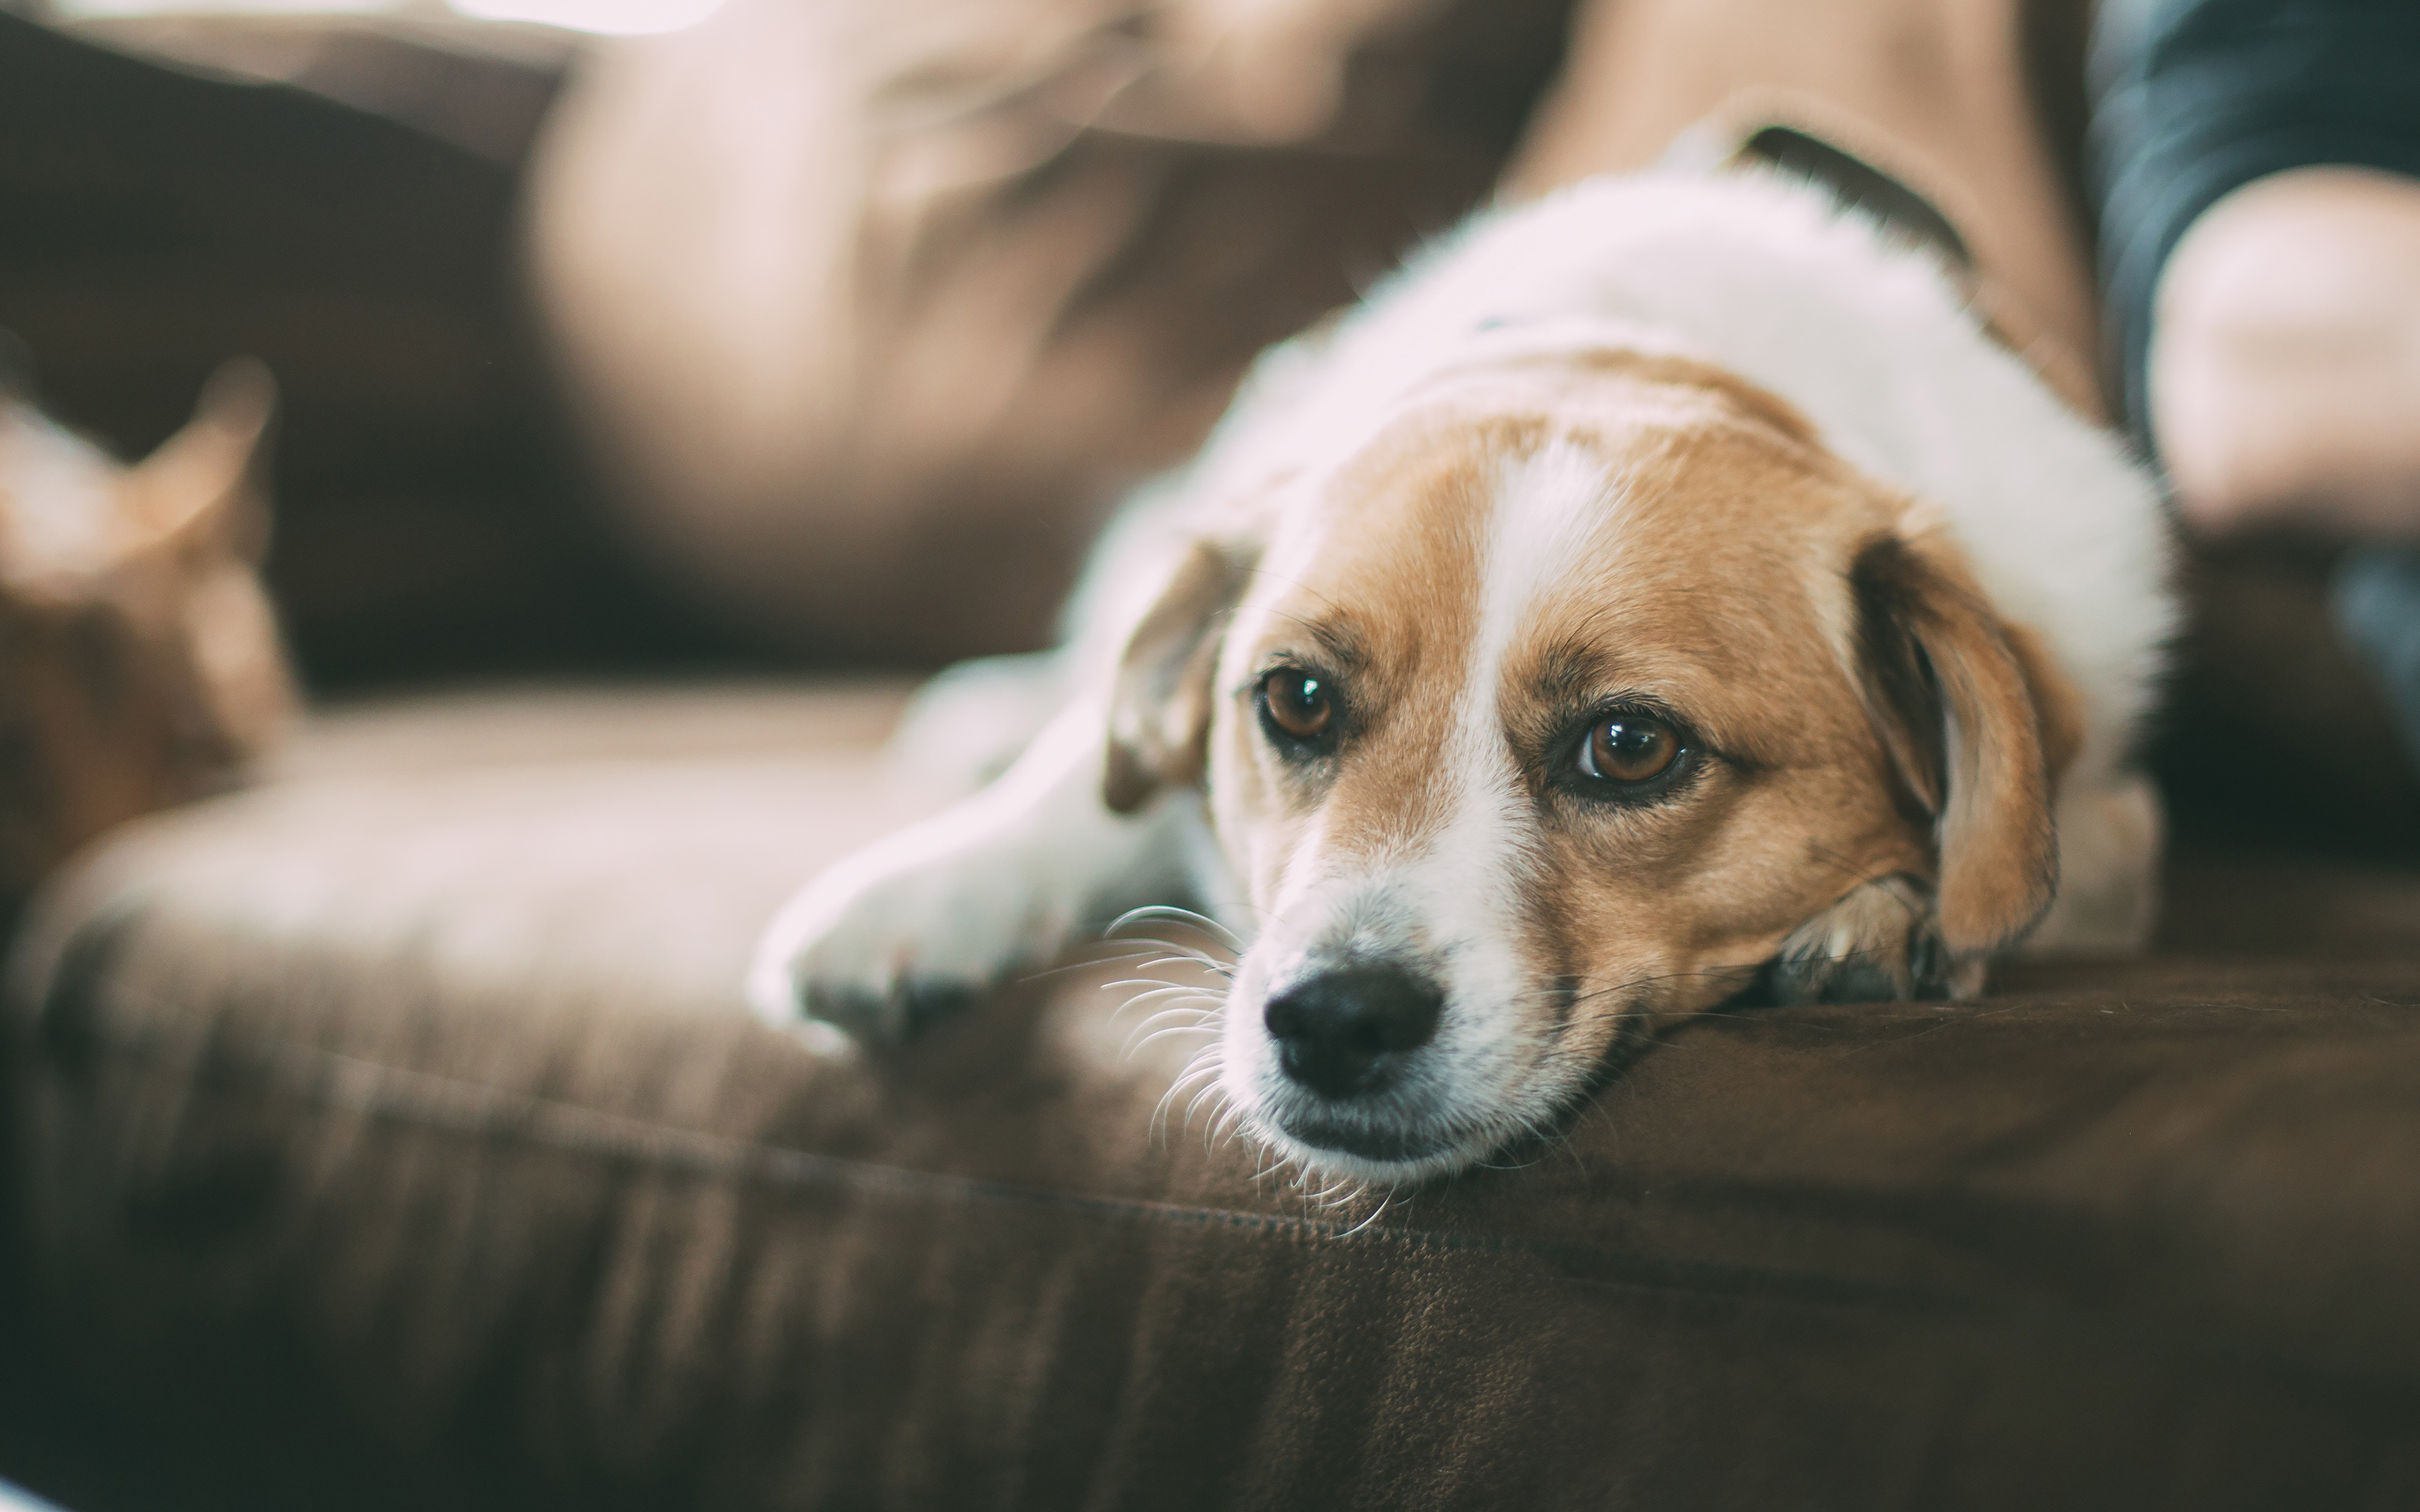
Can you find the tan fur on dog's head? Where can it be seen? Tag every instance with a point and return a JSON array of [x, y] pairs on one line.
[[1861, 807]]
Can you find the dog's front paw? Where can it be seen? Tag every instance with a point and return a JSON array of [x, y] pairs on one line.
[[1876, 944], [896, 938]]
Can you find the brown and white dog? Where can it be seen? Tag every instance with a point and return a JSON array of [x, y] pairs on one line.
[[1660, 593]]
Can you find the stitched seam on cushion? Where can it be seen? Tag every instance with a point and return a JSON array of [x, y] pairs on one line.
[[434, 1100]]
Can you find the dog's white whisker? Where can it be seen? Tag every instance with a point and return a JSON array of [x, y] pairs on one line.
[[1201, 1010], [1091, 962], [1183, 916], [1180, 1017], [1158, 1026], [1161, 1034], [1201, 963], [1169, 989], [1176, 947], [1190, 951], [1373, 1216], [1159, 1124], [1158, 983], [1204, 1064], [1198, 1098]]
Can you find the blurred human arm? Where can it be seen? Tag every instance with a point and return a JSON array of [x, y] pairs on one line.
[[2284, 361]]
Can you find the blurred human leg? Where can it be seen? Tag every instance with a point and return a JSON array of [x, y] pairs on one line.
[[1942, 93], [870, 309]]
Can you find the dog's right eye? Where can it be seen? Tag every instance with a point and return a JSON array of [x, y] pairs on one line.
[[1296, 706]]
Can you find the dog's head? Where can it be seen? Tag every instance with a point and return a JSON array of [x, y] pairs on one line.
[[1590, 691]]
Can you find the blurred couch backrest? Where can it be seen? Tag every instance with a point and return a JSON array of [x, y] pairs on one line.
[[358, 236]]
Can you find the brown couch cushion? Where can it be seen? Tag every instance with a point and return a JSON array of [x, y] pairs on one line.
[[423, 1095]]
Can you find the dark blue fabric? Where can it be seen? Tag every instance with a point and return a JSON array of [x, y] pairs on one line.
[[2375, 599], [2201, 97]]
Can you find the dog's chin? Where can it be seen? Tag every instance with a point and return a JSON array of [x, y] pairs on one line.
[[1374, 1154]]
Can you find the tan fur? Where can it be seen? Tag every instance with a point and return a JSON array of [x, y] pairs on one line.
[[1716, 588], [1160, 710], [1967, 725]]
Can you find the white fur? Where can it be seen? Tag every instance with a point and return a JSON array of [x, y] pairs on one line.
[[1756, 275], [1000, 879]]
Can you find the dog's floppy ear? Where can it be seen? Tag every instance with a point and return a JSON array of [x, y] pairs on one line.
[[1979, 726], [1159, 705]]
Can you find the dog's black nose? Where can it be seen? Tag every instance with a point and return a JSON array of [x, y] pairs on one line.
[[1343, 1032]]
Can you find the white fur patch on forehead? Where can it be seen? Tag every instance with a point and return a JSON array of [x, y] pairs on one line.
[[1548, 506]]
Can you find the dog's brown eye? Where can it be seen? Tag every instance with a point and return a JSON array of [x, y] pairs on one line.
[[1297, 703], [1629, 747]]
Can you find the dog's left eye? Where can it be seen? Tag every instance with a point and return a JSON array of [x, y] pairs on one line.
[[1629, 747], [1297, 705]]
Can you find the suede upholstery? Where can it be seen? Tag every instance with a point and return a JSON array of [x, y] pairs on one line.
[[410, 1099]]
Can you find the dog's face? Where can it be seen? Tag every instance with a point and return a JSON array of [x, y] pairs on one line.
[[1581, 693]]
